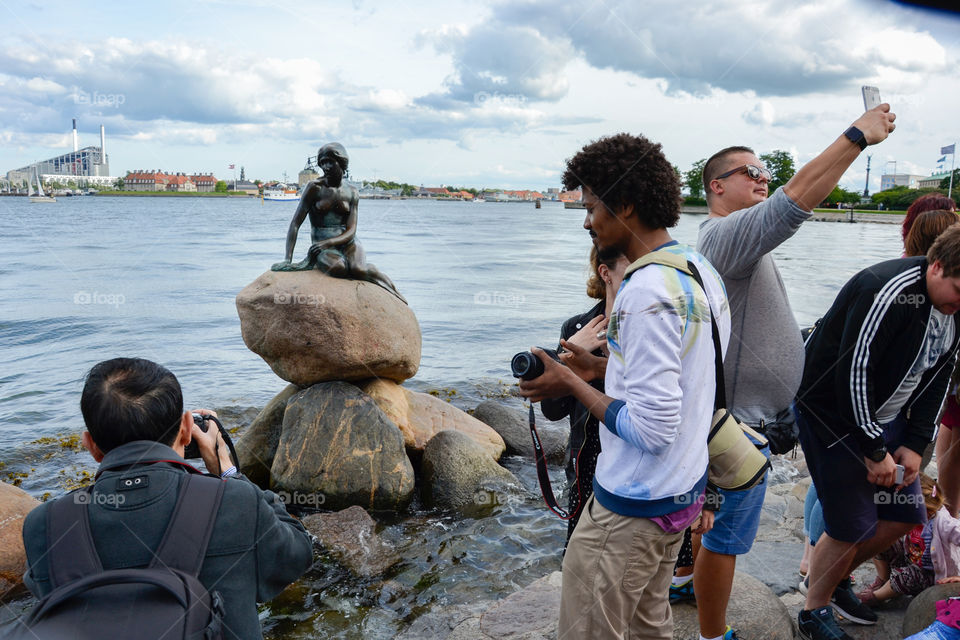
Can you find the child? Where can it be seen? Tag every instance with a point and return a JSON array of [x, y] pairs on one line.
[[907, 567]]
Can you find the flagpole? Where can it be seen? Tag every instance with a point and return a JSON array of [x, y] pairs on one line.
[[953, 158]]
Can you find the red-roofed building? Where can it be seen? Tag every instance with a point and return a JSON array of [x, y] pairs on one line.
[[205, 182], [180, 182], [142, 180]]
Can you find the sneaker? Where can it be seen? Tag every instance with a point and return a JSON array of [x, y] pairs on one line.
[[804, 585], [683, 592], [730, 634], [845, 602], [820, 624]]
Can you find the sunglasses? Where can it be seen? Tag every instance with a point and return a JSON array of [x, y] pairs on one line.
[[753, 172]]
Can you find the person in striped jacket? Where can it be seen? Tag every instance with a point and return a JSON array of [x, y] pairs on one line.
[[875, 376]]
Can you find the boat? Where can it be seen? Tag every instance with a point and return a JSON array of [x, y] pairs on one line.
[[40, 196], [281, 192], [573, 204]]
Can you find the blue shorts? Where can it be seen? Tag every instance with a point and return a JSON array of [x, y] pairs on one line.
[[736, 524]]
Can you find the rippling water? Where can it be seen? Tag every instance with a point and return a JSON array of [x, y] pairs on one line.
[[87, 279]]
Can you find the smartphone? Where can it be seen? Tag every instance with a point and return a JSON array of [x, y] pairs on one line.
[[899, 477], [871, 97]]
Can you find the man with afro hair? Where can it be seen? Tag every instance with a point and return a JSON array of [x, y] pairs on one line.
[[660, 380]]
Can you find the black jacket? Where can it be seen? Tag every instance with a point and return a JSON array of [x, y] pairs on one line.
[[255, 551], [862, 349]]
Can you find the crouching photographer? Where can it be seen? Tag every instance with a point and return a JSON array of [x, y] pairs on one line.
[[152, 523]]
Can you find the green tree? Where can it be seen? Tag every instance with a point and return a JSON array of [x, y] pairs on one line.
[[220, 187], [118, 184], [780, 164], [694, 178], [839, 194], [945, 183]]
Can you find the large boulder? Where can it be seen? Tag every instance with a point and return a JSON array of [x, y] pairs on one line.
[[338, 449], [350, 536], [310, 328], [421, 416], [258, 444], [15, 504], [513, 425], [922, 610], [460, 474], [753, 610]]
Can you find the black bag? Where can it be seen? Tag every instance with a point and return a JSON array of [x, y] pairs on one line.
[[165, 600], [782, 434]]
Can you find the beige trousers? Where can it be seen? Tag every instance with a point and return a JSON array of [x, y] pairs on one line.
[[616, 578]]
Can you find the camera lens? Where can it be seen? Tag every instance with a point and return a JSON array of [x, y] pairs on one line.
[[526, 366]]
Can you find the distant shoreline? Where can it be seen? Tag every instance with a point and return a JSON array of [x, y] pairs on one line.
[[175, 194]]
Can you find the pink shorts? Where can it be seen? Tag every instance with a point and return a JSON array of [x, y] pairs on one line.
[[951, 414]]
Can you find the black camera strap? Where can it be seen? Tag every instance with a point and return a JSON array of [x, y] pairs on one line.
[[546, 489]]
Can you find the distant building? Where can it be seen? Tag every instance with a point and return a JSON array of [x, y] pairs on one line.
[[570, 196], [933, 181], [309, 172], [244, 186], [891, 180], [432, 192], [89, 165], [157, 180]]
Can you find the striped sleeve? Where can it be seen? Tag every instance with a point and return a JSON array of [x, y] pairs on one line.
[[861, 368]]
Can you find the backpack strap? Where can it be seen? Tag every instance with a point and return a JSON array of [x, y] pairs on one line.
[[184, 543], [680, 263], [71, 553]]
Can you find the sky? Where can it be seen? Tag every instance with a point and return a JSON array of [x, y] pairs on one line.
[[481, 94]]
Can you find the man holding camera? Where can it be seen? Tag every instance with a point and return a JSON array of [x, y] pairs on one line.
[[137, 431], [765, 362], [660, 377]]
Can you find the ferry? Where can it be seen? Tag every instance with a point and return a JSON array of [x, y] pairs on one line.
[[280, 191]]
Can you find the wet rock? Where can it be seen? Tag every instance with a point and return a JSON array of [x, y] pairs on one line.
[[338, 449], [460, 474], [420, 416], [776, 564], [753, 610], [529, 614], [440, 624], [350, 535], [922, 610], [310, 328], [258, 444], [15, 504], [513, 424]]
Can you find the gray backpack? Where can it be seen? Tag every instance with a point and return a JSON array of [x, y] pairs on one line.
[[164, 600]]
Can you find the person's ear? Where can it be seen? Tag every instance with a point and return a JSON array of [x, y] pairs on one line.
[[716, 187], [91, 446], [186, 429], [604, 272]]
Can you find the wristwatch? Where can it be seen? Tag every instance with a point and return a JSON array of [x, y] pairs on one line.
[[877, 455], [856, 136]]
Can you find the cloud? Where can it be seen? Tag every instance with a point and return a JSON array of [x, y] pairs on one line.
[[696, 49]]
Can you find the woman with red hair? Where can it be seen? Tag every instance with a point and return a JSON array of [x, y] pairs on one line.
[[929, 202]]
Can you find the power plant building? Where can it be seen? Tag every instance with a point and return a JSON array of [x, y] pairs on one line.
[[89, 165]]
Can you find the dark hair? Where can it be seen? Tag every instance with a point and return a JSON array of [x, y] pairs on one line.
[[925, 229], [596, 288], [336, 151], [127, 399], [624, 170], [929, 202], [714, 165], [946, 249]]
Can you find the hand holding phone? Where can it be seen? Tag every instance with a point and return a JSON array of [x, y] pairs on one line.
[[898, 478]]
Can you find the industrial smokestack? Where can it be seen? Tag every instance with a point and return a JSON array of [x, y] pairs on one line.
[[103, 147], [75, 146]]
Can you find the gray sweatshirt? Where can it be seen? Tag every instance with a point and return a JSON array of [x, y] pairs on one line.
[[764, 362]]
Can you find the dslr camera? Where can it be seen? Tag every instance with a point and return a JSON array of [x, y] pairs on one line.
[[526, 366], [203, 421]]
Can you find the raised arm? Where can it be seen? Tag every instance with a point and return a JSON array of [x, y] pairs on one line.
[[816, 179], [303, 208]]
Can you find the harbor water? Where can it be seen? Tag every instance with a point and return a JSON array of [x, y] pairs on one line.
[[90, 278]]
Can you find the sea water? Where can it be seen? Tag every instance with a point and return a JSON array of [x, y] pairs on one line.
[[90, 278]]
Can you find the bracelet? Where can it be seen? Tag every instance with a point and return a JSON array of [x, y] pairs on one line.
[[232, 471]]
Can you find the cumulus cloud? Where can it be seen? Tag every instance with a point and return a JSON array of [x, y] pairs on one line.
[[694, 48]]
